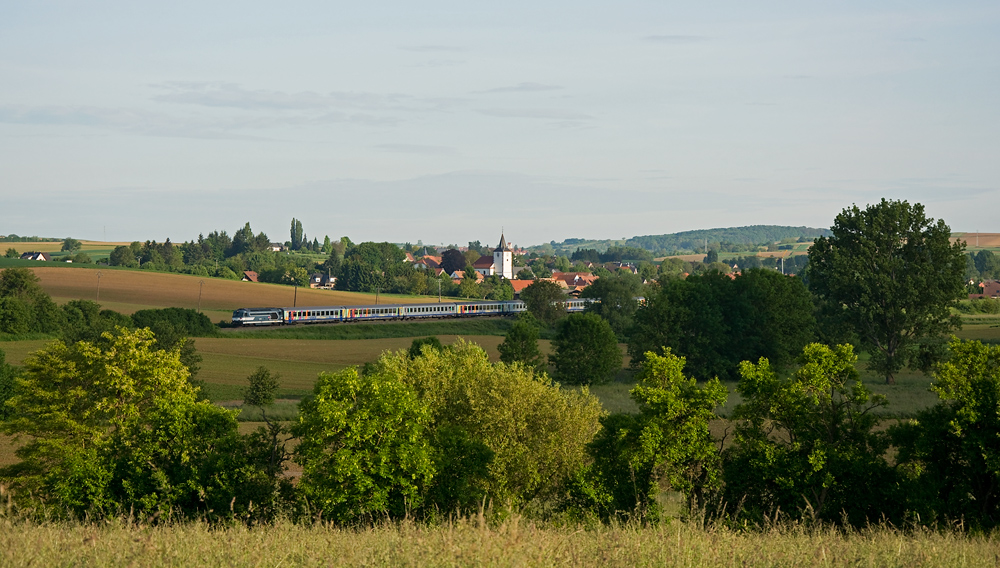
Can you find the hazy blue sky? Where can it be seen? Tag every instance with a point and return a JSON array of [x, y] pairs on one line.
[[444, 121]]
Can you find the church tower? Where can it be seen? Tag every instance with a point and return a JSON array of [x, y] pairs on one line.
[[503, 260]]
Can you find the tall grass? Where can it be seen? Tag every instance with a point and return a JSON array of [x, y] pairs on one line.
[[474, 542]]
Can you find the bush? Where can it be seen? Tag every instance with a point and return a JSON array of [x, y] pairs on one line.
[[113, 427], [185, 321]]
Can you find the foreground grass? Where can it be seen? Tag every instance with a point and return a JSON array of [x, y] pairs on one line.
[[475, 543]]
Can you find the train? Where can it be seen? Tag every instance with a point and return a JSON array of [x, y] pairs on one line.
[[382, 312]]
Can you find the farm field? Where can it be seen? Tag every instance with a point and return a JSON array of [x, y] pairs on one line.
[[978, 241], [515, 541], [130, 290], [228, 362]]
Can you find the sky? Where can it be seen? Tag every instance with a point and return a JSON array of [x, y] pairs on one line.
[[448, 122]]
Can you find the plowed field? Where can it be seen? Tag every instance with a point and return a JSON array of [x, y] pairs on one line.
[[131, 290]]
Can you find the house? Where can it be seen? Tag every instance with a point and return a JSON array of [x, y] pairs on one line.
[[485, 266], [249, 276], [43, 256], [275, 247], [428, 262], [409, 258], [459, 275], [520, 285], [988, 289], [575, 280]]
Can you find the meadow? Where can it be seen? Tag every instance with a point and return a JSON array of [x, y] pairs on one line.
[[514, 541]]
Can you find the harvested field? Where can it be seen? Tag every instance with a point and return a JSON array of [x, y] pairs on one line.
[[88, 247], [978, 241], [131, 290]]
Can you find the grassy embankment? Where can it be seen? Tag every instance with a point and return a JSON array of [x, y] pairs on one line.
[[472, 542]]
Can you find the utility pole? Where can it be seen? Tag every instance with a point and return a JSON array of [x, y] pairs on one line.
[[201, 284], [295, 299], [439, 290], [98, 285]]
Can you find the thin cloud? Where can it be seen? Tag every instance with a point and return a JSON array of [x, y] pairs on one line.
[[160, 124], [522, 88], [676, 38], [230, 95], [545, 113], [434, 48], [421, 149]]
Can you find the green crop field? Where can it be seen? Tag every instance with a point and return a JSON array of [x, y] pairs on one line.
[[228, 361]]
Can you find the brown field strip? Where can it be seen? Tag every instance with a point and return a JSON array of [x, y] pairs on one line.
[[979, 240], [132, 290], [56, 246]]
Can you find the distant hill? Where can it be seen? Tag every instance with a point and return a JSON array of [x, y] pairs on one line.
[[732, 239]]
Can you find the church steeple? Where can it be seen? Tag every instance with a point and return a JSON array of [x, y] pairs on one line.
[[503, 244], [503, 259]]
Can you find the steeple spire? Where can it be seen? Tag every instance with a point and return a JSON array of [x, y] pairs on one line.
[[503, 244]]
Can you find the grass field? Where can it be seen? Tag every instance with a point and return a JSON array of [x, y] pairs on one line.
[[474, 542], [227, 362]]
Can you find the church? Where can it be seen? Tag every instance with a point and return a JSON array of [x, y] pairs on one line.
[[501, 263]]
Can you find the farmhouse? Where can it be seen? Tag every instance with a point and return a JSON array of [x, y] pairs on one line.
[[36, 256], [988, 289], [428, 262], [249, 276]]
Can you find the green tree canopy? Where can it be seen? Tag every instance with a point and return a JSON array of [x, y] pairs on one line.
[[545, 300], [363, 446], [949, 454], [70, 244], [716, 321], [617, 300], [520, 345], [113, 426], [585, 351], [668, 447], [892, 274], [535, 432], [807, 445]]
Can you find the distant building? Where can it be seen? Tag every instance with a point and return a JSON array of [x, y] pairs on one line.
[[43, 256], [275, 247], [428, 262], [988, 289], [249, 276]]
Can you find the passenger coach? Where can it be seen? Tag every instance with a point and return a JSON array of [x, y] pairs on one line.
[[335, 314]]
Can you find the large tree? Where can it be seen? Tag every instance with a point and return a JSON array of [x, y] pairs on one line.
[[892, 274], [296, 234], [716, 321], [112, 425], [452, 260], [545, 300], [586, 351], [520, 345], [617, 303]]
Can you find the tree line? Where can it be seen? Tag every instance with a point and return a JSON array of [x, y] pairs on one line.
[[114, 426]]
